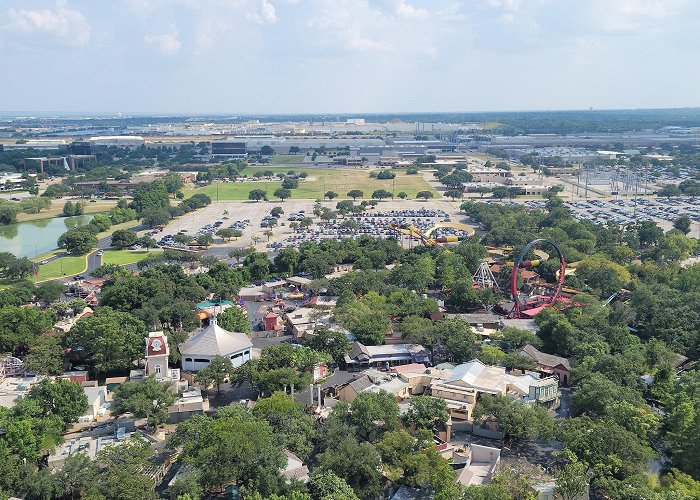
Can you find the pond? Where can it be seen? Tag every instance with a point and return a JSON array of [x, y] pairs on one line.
[[32, 238]]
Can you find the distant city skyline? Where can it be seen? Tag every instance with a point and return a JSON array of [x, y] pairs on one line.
[[240, 57]]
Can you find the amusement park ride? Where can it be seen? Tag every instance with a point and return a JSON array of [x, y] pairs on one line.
[[484, 278]]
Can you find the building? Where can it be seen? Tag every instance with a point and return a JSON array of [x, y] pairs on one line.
[[157, 355], [234, 149], [549, 364], [385, 356], [482, 464], [295, 470], [211, 341], [469, 380], [10, 181], [97, 397], [119, 141]]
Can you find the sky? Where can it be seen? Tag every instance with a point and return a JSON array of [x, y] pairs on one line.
[[346, 56]]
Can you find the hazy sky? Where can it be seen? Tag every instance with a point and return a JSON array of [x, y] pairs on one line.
[[287, 56]]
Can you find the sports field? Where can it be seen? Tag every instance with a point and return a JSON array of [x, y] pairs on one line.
[[320, 180]]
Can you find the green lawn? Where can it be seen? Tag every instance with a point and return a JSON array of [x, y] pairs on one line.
[[287, 159], [124, 257], [64, 266], [321, 180]]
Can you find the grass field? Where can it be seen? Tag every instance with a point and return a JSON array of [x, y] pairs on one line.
[[286, 159], [123, 225], [320, 181], [67, 266], [124, 257]]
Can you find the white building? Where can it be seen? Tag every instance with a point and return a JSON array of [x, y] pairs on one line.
[[157, 355], [120, 141], [198, 350]]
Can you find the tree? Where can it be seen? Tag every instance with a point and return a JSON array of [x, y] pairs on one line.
[[240, 253], [8, 215], [173, 182], [149, 399], [425, 195], [277, 211], [515, 419], [386, 174], [204, 240], [325, 485], [571, 478], [290, 183], [147, 242], [22, 325], [155, 217], [597, 393], [381, 194], [282, 193], [49, 292], [426, 412], [500, 192], [257, 194], [369, 326], [216, 372], [682, 223], [603, 275], [334, 343], [46, 356], [77, 241], [357, 464], [62, 398], [287, 260], [122, 238], [76, 477], [287, 418], [403, 195], [355, 194], [267, 151], [108, 341], [669, 191], [374, 413], [454, 194], [330, 195], [123, 477], [234, 319]]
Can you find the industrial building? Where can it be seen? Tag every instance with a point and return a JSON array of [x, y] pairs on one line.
[[234, 149]]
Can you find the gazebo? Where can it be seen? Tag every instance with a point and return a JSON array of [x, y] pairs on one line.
[[212, 340]]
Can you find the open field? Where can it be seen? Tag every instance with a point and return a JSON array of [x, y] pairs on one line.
[[124, 257], [287, 159], [321, 180], [64, 266], [115, 227]]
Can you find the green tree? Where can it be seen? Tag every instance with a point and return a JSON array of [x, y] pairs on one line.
[[357, 464], [234, 319], [369, 326], [257, 194], [381, 194], [77, 241], [325, 485], [682, 223], [46, 356], [122, 238], [149, 399], [49, 292], [425, 195], [403, 195], [76, 477], [454, 194], [155, 217], [571, 478], [216, 372], [288, 419], [109, 341], [122, 477], [287, 260], [330, 195], [426, 412], [515, 419], [282, 193], [603, 275], [374, 413], [355, 194], [62, 398], [332, 342]]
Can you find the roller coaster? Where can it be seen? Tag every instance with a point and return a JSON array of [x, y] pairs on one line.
[[520, 305], [425, 236]]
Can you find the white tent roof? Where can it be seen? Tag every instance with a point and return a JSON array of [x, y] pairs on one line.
[[215, 341]]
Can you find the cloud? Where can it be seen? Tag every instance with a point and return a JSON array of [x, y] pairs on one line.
[[167, 43], [408, 11], [62, 23], [264, 15]]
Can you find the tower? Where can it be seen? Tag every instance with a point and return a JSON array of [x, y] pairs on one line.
[[157, 353]]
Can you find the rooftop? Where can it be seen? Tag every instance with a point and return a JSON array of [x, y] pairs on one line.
[[215, 341]]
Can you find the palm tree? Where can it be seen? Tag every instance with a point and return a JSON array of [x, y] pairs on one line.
[[256, 239], [268, 233]]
